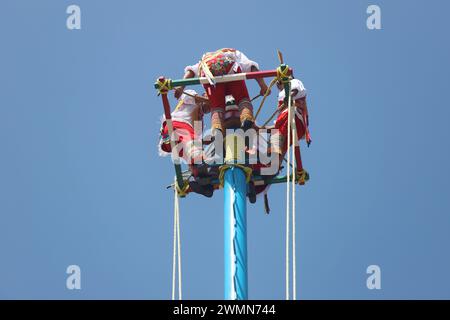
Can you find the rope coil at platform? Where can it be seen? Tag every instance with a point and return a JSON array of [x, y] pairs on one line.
[[283, 75], [163, 85], [183, 191], [247, 170]]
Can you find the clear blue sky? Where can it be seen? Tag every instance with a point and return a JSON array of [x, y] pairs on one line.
[[81, 182]]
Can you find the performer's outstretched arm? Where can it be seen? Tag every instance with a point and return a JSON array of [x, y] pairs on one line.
[[262, 84], [179, 90]]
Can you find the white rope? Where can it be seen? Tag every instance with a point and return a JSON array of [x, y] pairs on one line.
[[288, 151], [290, 200], [179, 248], [294, 262], [176, 247], [174, 257]]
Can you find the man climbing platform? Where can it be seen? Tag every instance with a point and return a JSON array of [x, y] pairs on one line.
[[279, 140], [224, 62], [191, 107]]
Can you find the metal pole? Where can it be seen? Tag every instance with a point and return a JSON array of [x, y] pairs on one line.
[[235, 227]]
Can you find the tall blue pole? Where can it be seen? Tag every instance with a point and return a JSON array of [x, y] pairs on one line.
[[235, 227]]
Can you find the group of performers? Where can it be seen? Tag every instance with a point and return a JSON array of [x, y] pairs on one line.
[[230, 105]]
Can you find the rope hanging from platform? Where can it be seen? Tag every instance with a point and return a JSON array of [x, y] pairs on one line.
[[270, 118], [294, 169], [247, 170], [290, 200], [176, 247]]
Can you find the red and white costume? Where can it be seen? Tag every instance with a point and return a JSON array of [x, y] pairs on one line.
[[183, 117], [279, 140], [219, 63]]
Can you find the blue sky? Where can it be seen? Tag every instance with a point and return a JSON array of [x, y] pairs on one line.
[[81, 182]]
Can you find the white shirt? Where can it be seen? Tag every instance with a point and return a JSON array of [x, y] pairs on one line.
[[240, 60], [185, 113], [295, 85], [186, 110]]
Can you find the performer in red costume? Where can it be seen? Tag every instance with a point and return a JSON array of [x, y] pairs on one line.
[[279, 139], [191, 107], [218, 63]]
